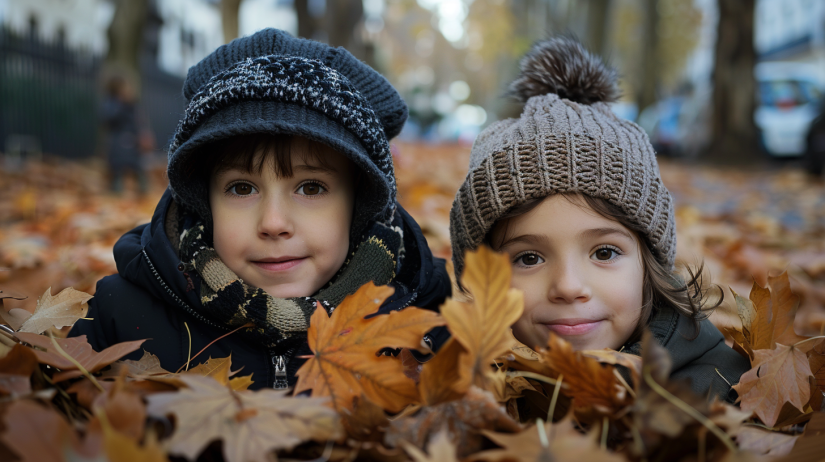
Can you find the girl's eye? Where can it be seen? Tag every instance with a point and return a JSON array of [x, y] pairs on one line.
[[241, 189], [311, 189], [529, 259], [605, 254]]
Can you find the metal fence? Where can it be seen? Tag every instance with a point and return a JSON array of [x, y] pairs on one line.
[[50, 97]]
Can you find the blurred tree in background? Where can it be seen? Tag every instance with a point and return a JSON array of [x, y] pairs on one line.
[[125, 35]]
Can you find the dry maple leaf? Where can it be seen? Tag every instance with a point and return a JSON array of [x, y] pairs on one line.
[[778, 376], [764, 442], [768, 316], [345, 363], [79, 349], [148, 365], [483, 325], [120, 447], [439, 449], [59, 311], [587, 381], [817, 360], [250, 424], [561, 442], [36, 433], [432, 385]]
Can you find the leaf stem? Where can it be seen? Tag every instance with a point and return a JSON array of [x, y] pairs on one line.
[[807, 340], [189, 353], [531, 375], [542, 433], [688, 410], [605, 427], [555, 398], [76, 363], [249, 324]]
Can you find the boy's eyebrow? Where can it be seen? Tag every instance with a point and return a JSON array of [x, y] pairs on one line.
[[601, 232], [314, 168]]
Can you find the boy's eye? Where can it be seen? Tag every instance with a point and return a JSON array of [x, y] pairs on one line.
[[241, 189], [529, 259], [605, 254], [311, 189]]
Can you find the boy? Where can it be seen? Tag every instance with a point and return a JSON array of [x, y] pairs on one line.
[[281, 193]]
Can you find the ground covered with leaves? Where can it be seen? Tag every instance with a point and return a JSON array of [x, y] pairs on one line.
[[483, 397]]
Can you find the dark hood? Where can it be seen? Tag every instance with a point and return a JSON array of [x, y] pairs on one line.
[[146, 257]]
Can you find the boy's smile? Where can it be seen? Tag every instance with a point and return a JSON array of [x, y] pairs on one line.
[[581, 273], [286, 234]]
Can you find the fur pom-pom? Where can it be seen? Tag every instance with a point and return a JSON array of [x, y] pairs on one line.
[[561, 65]]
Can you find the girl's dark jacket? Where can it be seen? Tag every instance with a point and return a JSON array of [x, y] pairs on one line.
[[151, 299]]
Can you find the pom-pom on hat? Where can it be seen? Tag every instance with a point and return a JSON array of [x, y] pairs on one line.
[[271, 82], [567, 140]]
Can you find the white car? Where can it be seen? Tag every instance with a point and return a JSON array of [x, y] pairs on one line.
[[788, 101]]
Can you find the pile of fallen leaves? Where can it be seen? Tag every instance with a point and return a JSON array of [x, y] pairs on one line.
[[482, 397]]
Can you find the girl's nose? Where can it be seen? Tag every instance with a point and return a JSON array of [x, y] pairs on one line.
[[568, 284], [275, 220]]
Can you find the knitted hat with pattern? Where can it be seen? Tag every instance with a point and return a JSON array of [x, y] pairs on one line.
[[567, 140], [271, 82]]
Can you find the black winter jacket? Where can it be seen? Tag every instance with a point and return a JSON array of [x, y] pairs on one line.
[[150, 298]]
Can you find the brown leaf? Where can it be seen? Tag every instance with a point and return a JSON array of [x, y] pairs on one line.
[[463, 419], [778, 376], [764, 442], [36, 433], [345, 364], [433, 387], [147, 365], [768, 317], [439, 449], [79, 349], [120, 447], [16, 369], [817, 361], [587, 381], [124, 410], [564, 444], [366, 421], [483, 327], [250, 424], [59, 311]]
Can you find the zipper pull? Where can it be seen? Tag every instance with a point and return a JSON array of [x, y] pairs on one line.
[[279, 365]]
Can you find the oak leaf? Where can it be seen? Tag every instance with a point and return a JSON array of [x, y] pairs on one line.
[[79, 349], [483, 326], [586, 380], [768, 315], [250, 424], [778, 376], [345, 363], [60, 310]]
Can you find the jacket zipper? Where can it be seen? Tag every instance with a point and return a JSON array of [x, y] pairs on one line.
[[279, 362], [180, 302]]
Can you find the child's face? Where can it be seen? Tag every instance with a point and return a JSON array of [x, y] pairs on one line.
[[287, 236], [581, 273]]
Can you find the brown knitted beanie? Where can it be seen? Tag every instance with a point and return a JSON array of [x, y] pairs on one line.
[[567, 140]]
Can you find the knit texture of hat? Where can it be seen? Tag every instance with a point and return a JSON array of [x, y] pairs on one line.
[[271, 82], [567, 140]]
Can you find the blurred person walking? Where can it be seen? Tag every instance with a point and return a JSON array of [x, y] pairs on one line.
[[127, 141]]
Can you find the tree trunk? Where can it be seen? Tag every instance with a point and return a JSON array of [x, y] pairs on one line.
[[125, 35], [229, 19], [733, 133], [343, 20], [597, 25], [306, 22], [649, 81]]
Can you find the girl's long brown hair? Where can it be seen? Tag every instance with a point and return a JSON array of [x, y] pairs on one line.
[[661, 287]]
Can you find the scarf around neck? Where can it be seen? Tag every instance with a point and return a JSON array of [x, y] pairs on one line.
[[282, 322]]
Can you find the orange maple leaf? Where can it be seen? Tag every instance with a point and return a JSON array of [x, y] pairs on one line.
[[345, 346], [482, 327], [778, 376]]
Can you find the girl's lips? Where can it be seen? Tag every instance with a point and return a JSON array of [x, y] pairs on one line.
[[283, 265], [566, 327]]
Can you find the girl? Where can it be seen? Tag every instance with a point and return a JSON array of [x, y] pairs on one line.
[[573, 195]]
